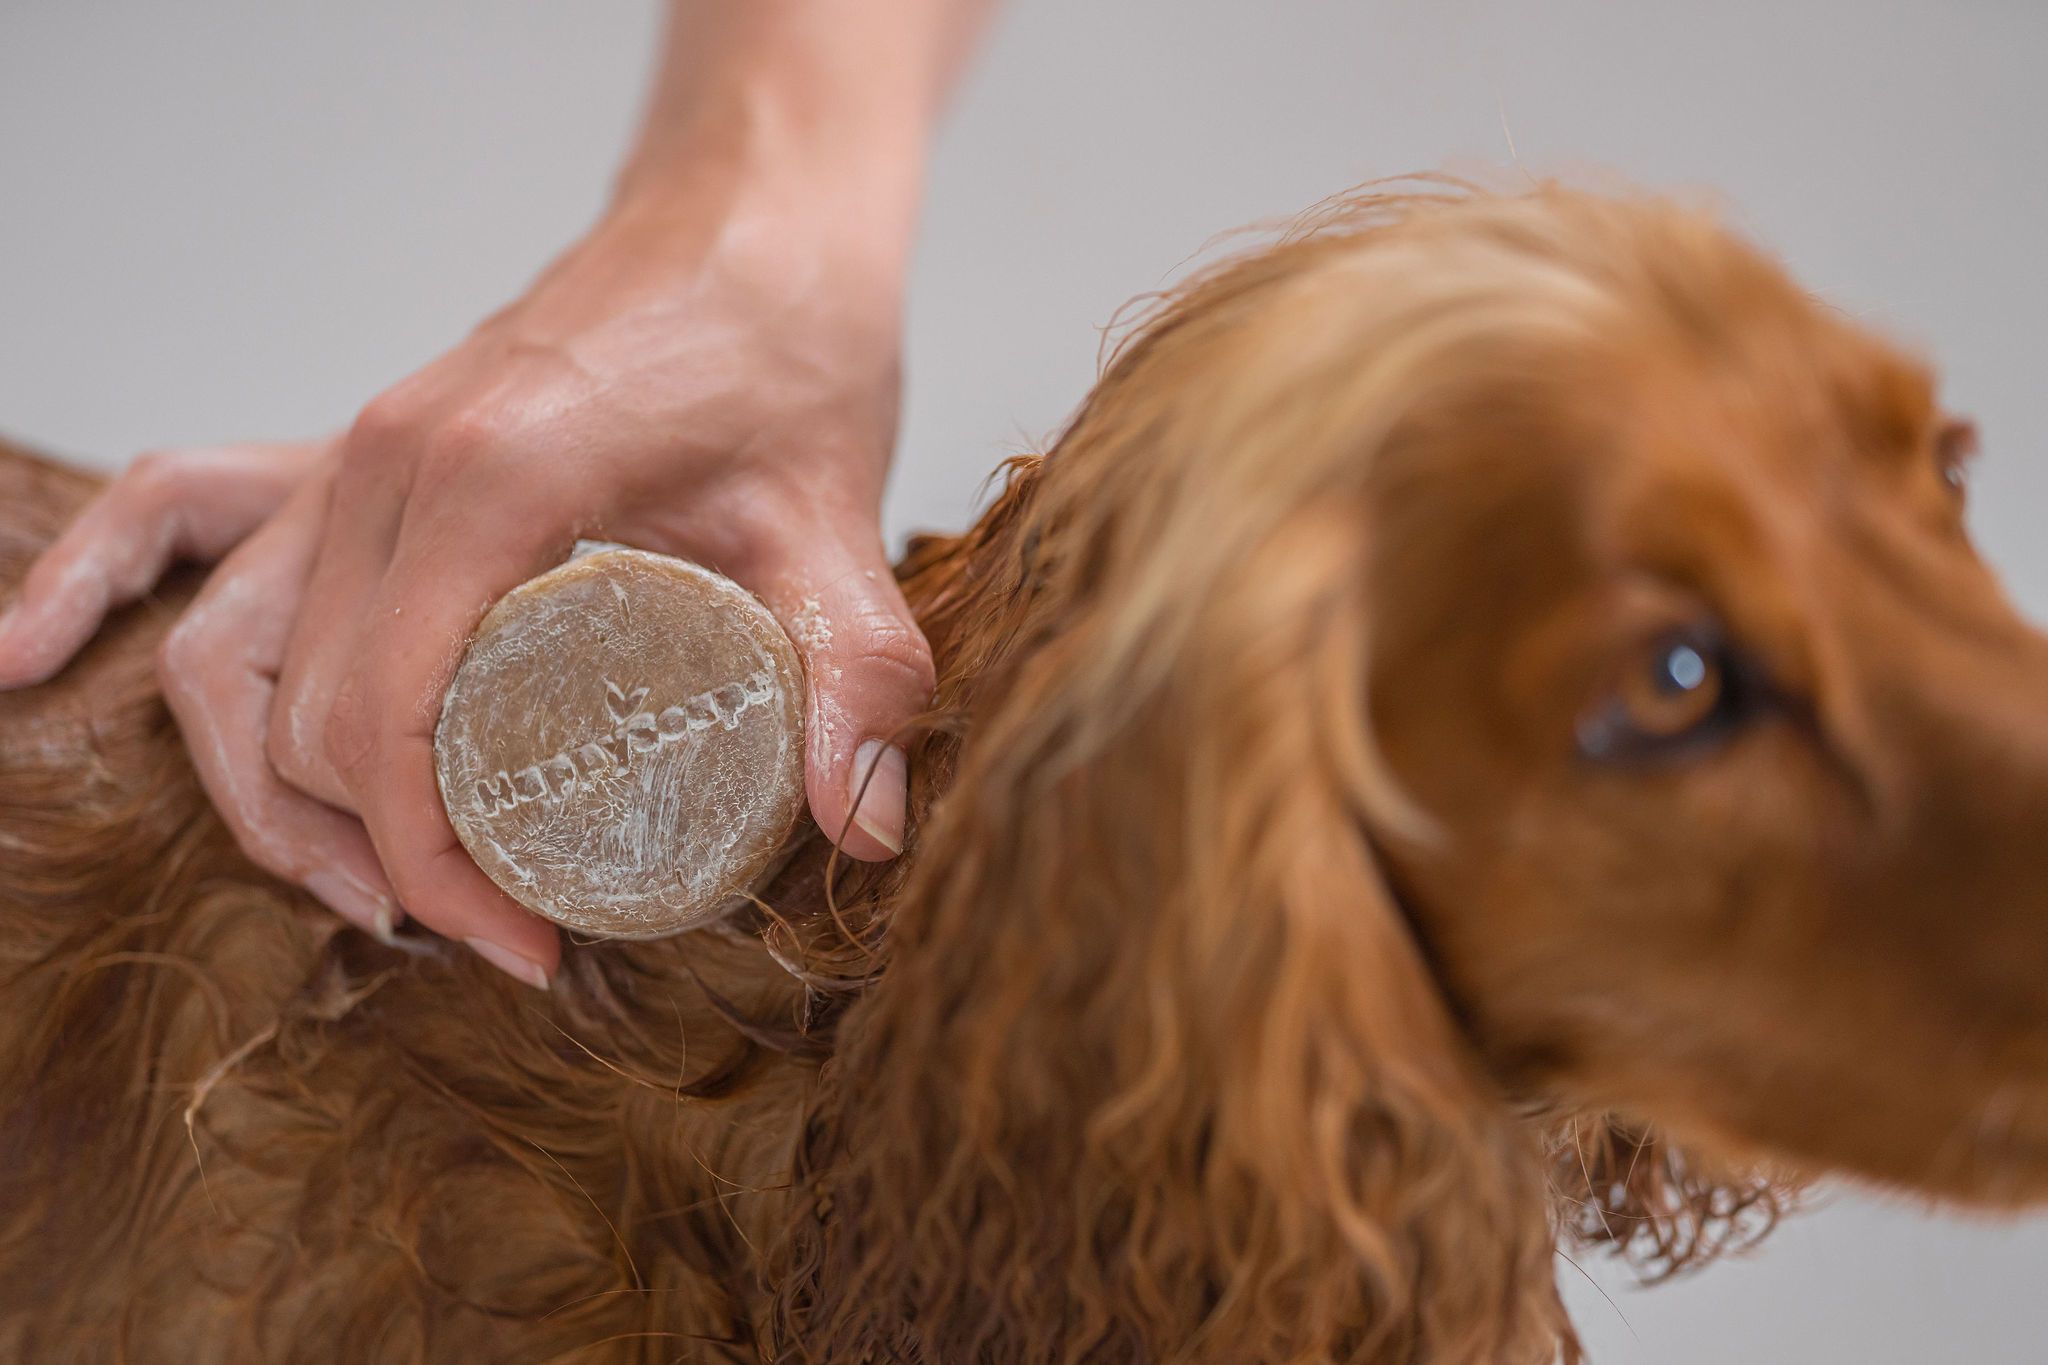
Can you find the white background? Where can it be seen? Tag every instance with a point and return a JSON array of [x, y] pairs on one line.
[[227, 218]]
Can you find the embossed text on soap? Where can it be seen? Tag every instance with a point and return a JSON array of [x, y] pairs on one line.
[[633, 735]]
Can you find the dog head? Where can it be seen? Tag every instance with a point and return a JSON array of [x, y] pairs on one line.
[[1730, 756], [1482, 662]]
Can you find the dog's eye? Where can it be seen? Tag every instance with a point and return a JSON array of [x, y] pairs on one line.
[[1680, 689], [1955, 445]]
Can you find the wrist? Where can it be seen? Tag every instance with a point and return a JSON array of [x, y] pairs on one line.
[[728, 193], [753, 170], [785, 111]]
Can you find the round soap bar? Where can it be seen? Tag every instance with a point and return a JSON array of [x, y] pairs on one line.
[[622, 747]]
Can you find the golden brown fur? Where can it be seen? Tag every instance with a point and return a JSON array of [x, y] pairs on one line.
[[1267, 978]]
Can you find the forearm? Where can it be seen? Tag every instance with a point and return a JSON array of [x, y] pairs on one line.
[[836, 96]]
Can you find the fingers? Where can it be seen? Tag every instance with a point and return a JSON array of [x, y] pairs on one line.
[[348, 575], [217, 668], [380, 737], [187, 504], [870, 674]]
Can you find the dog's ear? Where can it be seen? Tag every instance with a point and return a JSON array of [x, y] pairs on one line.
[[1627, 1187], [1157, 1070]]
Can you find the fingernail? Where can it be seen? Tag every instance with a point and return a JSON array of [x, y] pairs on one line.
[[880, 783], [360, 905], [519, 968]]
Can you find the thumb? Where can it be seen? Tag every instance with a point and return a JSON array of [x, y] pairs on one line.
[[870, 675]]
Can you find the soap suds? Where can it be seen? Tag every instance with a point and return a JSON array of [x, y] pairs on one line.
[[809, 628]]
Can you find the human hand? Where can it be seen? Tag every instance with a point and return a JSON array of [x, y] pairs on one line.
[[219, 665], [695, 378]]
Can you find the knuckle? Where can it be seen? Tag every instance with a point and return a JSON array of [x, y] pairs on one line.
[[154, 476], [458, 441], [286, 747], [349, 737], [386, 422], [892, 645], [405, 432], [178, 655]]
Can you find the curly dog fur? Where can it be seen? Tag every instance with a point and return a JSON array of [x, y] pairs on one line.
[[1271, 976]]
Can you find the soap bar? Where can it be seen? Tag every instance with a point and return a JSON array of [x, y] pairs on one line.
[[622, 746]]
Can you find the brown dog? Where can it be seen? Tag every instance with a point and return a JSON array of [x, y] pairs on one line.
[[1479, 684]]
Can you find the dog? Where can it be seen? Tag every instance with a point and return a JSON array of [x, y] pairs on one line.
[[1485, 732]]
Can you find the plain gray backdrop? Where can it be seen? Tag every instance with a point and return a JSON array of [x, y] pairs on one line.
[[231, 218]]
